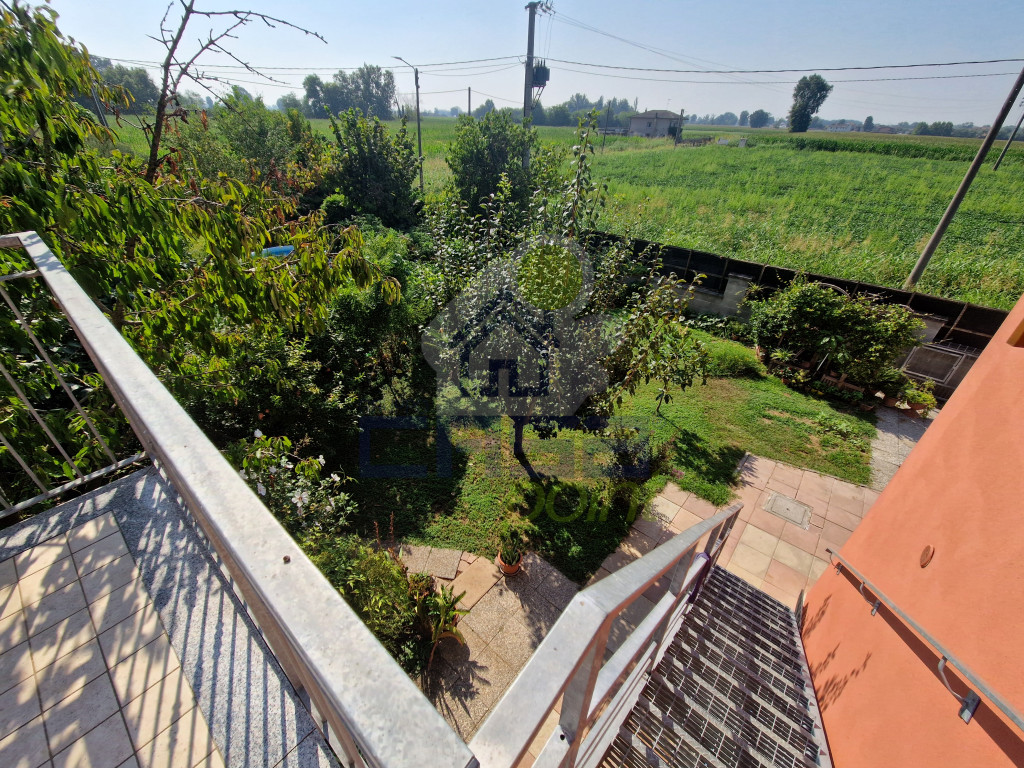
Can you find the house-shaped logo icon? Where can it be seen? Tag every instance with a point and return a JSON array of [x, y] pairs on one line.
[[512, 341]]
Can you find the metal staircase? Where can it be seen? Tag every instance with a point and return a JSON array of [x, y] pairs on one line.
[[732, 690]]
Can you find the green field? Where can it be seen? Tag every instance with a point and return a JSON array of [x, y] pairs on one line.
[[863, 212]]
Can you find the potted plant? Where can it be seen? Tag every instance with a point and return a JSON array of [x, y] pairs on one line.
[[919, 397], [511, 545], [892, 383]]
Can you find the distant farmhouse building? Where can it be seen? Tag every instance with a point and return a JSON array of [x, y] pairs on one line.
[[840, 127], [654, 123]]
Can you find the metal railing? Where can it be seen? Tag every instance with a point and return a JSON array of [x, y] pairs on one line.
[[368, 708], [12, 506], [597, 694], [968, 702]]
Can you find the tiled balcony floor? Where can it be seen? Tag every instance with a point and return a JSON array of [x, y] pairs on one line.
[[88, 675], [122, 645]]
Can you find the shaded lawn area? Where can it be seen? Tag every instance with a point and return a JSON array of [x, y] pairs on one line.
[[697, 441]]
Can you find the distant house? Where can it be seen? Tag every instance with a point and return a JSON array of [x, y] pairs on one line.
[[654, 123], [840, 127], [884, 129]]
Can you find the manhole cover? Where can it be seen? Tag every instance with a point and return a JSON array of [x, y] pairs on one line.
[[789, 509]]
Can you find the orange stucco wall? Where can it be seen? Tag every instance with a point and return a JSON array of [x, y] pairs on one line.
[[962, 492]]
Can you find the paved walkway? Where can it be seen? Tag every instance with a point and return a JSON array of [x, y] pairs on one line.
[[897, 434], [508, 618]]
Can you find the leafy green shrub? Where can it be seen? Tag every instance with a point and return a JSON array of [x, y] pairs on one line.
[[860, 337], [377, 588], [372, 169], [484, 150]]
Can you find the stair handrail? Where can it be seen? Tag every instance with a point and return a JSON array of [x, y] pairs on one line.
[[969, 702], [570, 663]]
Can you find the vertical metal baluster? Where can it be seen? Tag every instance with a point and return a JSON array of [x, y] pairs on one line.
[[39, 419], [4, 501], [21, 461], [67, 390], [577, 696]]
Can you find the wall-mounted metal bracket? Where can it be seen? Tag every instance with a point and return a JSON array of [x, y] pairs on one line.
[[875, 605], [968, 703]]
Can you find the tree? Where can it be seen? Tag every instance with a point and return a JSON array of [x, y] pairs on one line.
[[289, 101], [369, 89], [869, 124], [744, 118], [176, 263], [136, 83], [484, 109], [729, 118], [558, 115], [759, 118], [808, 96], [483, 151]]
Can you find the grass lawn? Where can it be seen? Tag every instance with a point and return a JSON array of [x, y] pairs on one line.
[[701, 434]]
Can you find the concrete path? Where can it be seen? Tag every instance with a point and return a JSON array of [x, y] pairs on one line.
[[508, 618], [897, 434]]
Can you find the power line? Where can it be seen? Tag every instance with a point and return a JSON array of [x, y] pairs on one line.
[[146, 63], [778, 82], [499, 98], [778, 71]]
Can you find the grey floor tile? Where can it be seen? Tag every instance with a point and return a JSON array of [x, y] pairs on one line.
[[15, 666], [42, 555], [114, 574], [105, 745], [18, 705], [55, 607], [92, 531], [100, 553], [70, 673], [118, 604], [26, 747], [78, 713], [60, 639]]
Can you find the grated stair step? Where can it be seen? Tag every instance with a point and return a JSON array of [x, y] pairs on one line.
[[731, 691]]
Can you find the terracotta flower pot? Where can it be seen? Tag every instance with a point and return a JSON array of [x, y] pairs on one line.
[[889, 401], [509, 569]]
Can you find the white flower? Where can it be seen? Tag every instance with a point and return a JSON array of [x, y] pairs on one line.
[[273, 470], [335, 478], [300, 498], [257, 433], [244, 476], [322, 460], [261, 489], [284, 462]]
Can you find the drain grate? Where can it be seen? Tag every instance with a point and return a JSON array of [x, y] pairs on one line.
[[789, 509]]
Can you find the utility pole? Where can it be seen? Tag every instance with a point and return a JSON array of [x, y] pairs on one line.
[[954, 204], [528, 87], [419, 133], [469, 100], [607, 117]]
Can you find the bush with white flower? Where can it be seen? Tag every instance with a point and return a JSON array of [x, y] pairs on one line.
[[309, 505]]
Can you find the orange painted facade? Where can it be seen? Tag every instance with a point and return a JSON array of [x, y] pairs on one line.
[[961, 491]]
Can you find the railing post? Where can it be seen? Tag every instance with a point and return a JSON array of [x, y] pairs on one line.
[[578, 693]]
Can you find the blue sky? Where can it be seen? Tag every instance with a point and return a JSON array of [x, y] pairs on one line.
[[695, 36]]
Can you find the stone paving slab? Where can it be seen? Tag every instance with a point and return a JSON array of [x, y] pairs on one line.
[[897, 434], [475, 581]]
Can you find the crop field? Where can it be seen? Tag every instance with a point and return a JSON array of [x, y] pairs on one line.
[[857, 206]]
